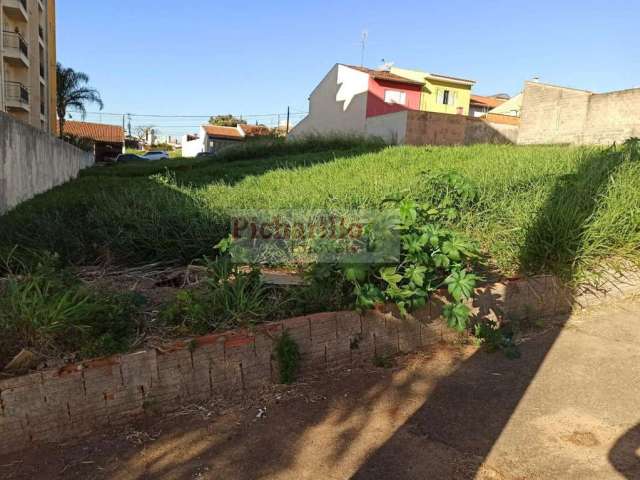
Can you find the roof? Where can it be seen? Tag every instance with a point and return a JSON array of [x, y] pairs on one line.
[[447, 78], [255, 130], [491, 102], [223, 132], [98, 132], [385, 76]]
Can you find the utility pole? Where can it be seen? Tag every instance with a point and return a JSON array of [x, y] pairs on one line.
[[288, 114], [124, 138]]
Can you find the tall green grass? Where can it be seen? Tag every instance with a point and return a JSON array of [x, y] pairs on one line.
[[559, 209], [48, 311]]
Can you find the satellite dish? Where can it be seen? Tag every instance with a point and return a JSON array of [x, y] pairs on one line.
[[386, 66]]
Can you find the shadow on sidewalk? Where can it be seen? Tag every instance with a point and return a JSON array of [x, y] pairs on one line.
[[469, 409], [625, 454]]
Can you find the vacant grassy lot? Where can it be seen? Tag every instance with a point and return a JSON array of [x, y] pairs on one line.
[[535, 209]]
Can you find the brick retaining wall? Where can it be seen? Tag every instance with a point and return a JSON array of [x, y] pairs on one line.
[[56, 405]]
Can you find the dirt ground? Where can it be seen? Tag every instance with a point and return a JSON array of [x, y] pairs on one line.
[[568, 408]]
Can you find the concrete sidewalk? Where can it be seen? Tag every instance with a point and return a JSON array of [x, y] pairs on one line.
[[576, 416], [569, 408]]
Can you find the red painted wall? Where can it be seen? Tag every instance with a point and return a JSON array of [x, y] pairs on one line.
[[375, 99]]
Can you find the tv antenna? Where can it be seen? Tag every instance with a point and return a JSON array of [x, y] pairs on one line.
[[363, 43]]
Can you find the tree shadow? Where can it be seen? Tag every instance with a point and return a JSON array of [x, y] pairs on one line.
[[469, 409], [625, 454]]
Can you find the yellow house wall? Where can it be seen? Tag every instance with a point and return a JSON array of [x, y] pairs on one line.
[[429, 96]]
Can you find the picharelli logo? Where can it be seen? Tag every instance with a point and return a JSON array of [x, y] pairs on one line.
[[314, 236]]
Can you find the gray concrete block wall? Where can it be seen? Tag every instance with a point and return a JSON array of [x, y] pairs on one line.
[[32, 162], [552, 114]]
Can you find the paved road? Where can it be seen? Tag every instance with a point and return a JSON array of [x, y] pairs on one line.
[[569, 408]]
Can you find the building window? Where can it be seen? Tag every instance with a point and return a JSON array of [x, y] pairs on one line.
[[446, 97], [395, 96]]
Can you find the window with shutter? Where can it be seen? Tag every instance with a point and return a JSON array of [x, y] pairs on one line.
[[395, 96]]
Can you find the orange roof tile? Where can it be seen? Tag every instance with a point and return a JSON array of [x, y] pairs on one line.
[[491, 102], [223, 132], [255, 130], [98, 132]]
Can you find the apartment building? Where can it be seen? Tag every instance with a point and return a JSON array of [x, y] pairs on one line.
[[28, 61]]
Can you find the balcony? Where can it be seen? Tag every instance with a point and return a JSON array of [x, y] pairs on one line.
[[42, 72], [16, 96], [16, 50], [16, 9]]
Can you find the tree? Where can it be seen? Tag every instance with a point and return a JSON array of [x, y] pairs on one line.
[[146, 133], [74, 92], [226, 121]]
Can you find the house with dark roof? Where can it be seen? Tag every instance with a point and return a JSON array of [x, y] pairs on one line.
[[349, 95], [105, 141]]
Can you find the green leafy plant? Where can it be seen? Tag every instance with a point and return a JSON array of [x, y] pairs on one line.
[[450, 192], [495, 338], [288, 354], [431, 257]]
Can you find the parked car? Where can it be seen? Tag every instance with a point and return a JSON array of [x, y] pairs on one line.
[[129, 157], [206, 154], [156, 155]]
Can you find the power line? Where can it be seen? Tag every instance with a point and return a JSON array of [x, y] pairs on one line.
[[244, 115]]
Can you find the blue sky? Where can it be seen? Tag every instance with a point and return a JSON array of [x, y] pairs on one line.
[[257, 57]]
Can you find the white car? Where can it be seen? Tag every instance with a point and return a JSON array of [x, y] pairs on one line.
[[155, 155]]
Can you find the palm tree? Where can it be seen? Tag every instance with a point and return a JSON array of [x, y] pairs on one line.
[[74, 92]]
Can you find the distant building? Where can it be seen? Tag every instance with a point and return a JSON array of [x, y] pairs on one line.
[[511, 107], [481, 105], [28, 61], [440, 93], [213, 138], [348, 95], [105, 141]]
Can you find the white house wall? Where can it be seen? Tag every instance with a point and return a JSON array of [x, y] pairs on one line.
[[338, 105], [392, 127], [191, 148], [511, 107]]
